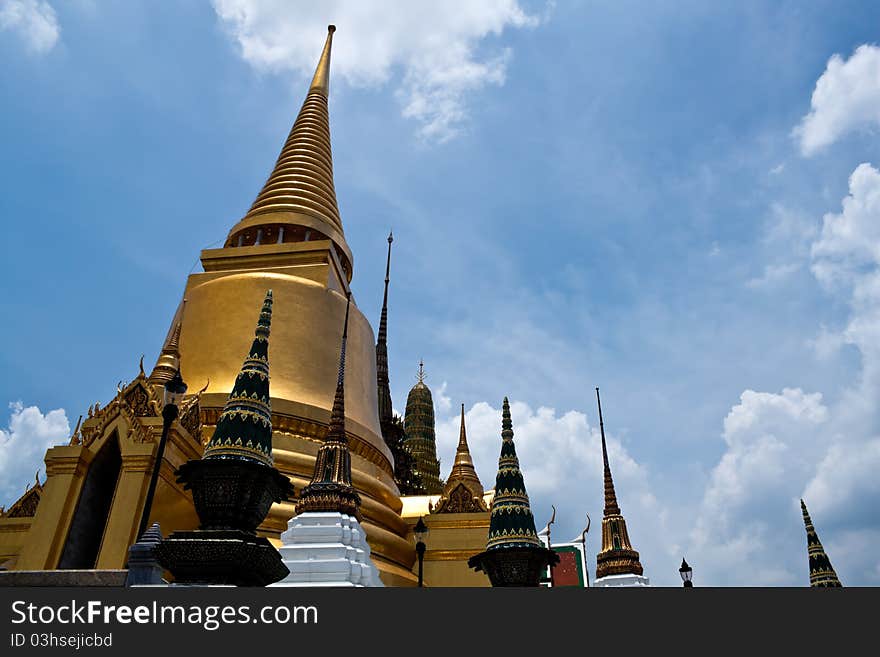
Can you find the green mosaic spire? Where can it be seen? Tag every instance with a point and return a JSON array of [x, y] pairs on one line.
[[418, 425], [821, 571], [244, 430], [511, 523]]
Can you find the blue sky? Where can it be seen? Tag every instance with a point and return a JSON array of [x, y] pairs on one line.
[[675, 201]]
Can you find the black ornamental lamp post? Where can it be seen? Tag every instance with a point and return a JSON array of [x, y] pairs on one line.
[[175, 389], [686, 573], [420, 531]]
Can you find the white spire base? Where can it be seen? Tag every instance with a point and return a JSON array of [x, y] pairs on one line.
[[622, 580], [326, 549]]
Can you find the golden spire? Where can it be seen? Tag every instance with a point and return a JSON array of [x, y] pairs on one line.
[[298, 201], [169, 358], [463, 492], [321, 79], [463, 468]]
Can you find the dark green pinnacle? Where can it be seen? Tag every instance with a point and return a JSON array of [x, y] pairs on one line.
[[511, 523], [244, 430]]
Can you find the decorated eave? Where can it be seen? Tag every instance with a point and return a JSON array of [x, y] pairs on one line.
[[26, 505], [138, 404]]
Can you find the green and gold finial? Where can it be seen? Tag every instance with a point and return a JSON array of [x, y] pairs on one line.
[[330, 489], [419, 427], [822, 573], [511, 523], [244, 429]]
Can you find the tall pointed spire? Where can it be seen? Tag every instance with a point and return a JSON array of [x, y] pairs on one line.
[[514, 554], [298, 201], [384, 385], [463, 467], [617, 556], [244, 429], [512, 523], [330, 488], [463, 492], [821, 571], [169, 358], [611, 507]]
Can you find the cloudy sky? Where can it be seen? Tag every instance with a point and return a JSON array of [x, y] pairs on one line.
[[678, 202]]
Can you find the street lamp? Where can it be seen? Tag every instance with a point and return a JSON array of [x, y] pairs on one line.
[[420, 531], [174, 391], [686, 573]]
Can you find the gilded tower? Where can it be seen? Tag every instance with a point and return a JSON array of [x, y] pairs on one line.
[[617, 563], [822, 573], [420, 440], [291, 240]]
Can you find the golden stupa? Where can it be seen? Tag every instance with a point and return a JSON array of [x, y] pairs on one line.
[[86, 514]]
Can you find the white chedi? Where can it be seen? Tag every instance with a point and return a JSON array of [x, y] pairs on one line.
[[326, 549]]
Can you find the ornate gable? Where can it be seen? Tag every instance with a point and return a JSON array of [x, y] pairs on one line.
[[26, 505], [460, 500]]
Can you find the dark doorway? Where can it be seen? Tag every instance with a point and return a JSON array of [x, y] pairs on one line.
[[93, 508]]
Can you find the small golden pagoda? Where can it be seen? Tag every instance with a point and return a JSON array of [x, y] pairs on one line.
[[463, 492]]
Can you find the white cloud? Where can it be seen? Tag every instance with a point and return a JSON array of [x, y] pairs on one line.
[[23, 446], [749, 514], [784, 446], [34, 21], [434, 51], [444, 403], [849, 245], [846, 99], [561, 459]]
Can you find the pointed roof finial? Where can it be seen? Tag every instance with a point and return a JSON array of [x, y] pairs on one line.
[[463, 467], [462, 435], [244, 429], [822, 573], [321, 79], [421, 374]]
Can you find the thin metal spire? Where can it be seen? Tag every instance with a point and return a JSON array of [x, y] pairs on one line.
[[611, 506]]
